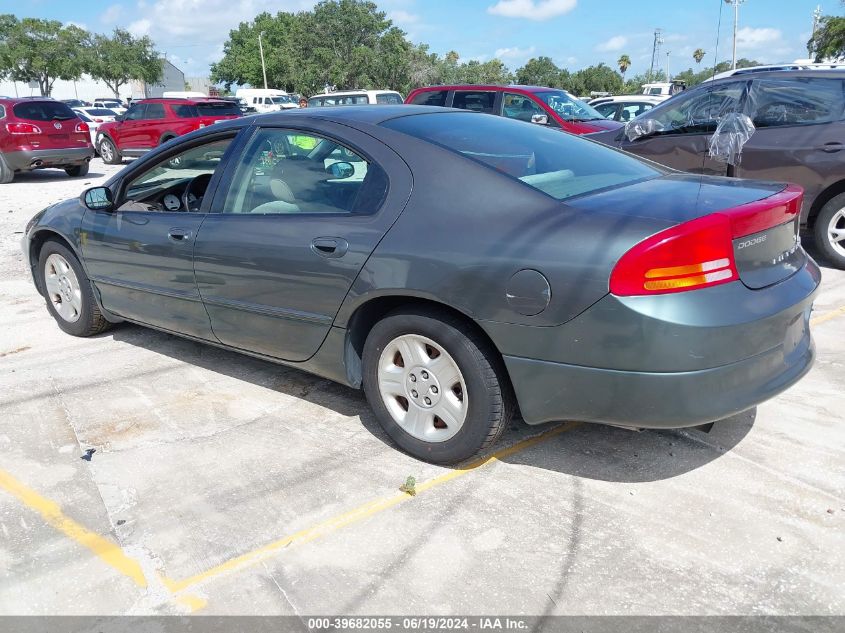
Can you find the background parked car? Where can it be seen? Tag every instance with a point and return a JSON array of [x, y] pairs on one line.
[[355, 97], [94, 117], [624, 108], [75, 103], [533, 104], [41, 133], [799, 118], [151, 122], [115, 105]]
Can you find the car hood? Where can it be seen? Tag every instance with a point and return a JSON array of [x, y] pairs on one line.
[[610, 136], [591, 127]]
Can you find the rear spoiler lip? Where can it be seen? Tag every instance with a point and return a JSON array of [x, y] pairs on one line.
[[765, 213]]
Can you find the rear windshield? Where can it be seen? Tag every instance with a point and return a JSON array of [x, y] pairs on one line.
[[101, 112], [389, 98], [558, 164], [43, 111]]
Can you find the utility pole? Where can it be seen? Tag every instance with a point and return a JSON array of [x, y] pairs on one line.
[[817, 16], [668, 76], [263, 67], [655, 52], [735, 4]]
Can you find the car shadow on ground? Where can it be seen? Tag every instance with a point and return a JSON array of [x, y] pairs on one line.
[[43, 176], [590, 451]]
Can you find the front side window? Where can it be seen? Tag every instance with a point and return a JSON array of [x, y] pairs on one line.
[[176, 183], [516, 106], [607, 110], [290, 172], [135, 113], [389, 98], [475, 100], [698, 112], [633, 110], [560, 165], [430, 98], [796, 101]]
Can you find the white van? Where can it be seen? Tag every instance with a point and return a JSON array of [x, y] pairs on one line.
[[268, 100], [182, 94], [356, 97]]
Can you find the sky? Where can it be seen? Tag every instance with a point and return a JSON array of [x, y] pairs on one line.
[[574, 33]]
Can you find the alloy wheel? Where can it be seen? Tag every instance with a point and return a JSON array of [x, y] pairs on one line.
[[63, 288], [836, 232], [422, 388], [106, 151]]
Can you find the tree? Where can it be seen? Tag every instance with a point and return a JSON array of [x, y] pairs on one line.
[[599, 78], [539, 71], [828, 42], [121, 58], [624, 63], [39, 50], [698, 55]]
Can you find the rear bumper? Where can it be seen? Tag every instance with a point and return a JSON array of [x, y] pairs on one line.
[[664, 362], [24, 160]]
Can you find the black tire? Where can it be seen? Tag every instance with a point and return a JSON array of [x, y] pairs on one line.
[[7, 174], [90, 320], [490, 404], [78, 171], [109, 152], [822, 234]]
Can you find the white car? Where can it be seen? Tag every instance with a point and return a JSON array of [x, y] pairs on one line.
[[624, 107], [110, 104], [94, 117], [356, 97]]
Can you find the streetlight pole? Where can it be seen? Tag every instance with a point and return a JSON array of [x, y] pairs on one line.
[[263, 67], [735, 4], [668, 76]]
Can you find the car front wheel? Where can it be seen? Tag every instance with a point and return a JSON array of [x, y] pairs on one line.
[[435, 385], [829, 230], [108, 152], [67, 290]]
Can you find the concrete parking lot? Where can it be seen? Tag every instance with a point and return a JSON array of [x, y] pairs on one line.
[[141, 473]]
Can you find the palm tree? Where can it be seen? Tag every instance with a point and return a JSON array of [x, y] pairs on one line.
[[624, 63], [698, 55]]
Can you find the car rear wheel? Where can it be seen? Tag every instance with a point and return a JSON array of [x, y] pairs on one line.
[[7, 175], [67, 290], [829, 230], [108, 152], [77, 171], [436, 387]]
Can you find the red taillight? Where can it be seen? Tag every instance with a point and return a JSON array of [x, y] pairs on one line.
[[98, 120], [81, 127], [22, 128], [699, 253]]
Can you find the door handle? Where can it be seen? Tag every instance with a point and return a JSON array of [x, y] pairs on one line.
[[833, 146], [179, 235], [330, 246]]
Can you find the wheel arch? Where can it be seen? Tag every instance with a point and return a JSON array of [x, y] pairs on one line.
[[370, 312], [36, 244], [822, 199], [167, 136]]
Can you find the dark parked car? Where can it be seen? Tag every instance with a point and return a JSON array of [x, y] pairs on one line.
[[799, 118], [151, 122], [532, 104], [40, 134], [452, 264]]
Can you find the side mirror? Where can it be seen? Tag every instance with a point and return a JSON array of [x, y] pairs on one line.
[[540, 119], [341, 170], [119, 118], [98, 199]]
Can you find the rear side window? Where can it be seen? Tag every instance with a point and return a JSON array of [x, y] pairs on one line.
[[154, 111], [796, 101], [607, 110], [315, 102], [559, 165], [43, 111], [222, 108], [699, 112], [184, 111], [476, 101], [2, 112], [430, 98], [390, 98]]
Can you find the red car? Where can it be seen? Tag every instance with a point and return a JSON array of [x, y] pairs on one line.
[[534, 104], [37, 133], [151, 122]]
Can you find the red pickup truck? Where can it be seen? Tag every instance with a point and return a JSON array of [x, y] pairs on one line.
[[151, 122]]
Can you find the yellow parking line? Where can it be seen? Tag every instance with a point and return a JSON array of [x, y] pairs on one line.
[[838, 312], [110, 553], [357, 514]]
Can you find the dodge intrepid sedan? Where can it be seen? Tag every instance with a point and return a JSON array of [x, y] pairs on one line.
[[455, 266]]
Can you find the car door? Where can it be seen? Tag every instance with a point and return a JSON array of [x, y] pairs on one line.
[[130, 130], [799, 132], [140, 254], [684, 126], [152, 125], [289, 235]]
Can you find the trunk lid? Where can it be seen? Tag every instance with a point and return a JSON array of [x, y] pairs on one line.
[[56, 121]]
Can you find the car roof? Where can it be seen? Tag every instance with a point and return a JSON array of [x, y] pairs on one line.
[[342, 93], [489, 87], [16, 100], [369, 114], [780, 74], [187, 100]]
